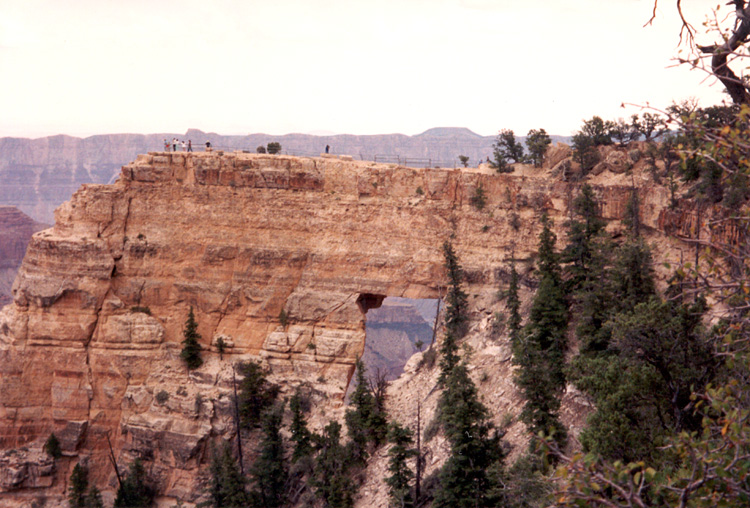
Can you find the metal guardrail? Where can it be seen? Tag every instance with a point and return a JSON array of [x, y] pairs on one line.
[[412, 162]]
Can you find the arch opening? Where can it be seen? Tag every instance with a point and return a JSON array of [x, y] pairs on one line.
[[395, 329]]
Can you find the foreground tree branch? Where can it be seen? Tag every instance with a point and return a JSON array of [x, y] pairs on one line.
[[736, 88]]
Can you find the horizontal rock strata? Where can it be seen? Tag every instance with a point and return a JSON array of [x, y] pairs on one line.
[[93, 335]]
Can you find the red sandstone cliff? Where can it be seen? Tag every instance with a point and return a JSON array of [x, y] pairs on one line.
[[239, 237]]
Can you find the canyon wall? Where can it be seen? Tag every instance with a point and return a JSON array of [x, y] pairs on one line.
[[16, 229], [93, 335]]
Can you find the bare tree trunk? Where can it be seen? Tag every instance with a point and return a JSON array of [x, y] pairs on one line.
[[417, 485], [237, 421]]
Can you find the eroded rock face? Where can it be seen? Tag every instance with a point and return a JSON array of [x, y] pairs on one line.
[[93, 334], [16, 229]]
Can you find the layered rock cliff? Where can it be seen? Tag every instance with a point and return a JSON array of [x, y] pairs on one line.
[[16, 229], [93, 334], [37, 175]]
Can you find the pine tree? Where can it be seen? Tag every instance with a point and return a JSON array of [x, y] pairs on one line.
[[456, 300], [191, 350], [583, 232], [93, 498], [256, 393], [227, 483], [589, 254], [540, 350], [401, 475], [79, 482], [301, 435], [52, 447], [135, 491], [269, 472], [513, 304], [455, 313], [504, 149], [632, 273], [358, 420], [475, 449], [537, 141], [331, 480]]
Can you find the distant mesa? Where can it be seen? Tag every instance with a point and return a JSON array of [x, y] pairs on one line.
[[447, 132], [321, 133]]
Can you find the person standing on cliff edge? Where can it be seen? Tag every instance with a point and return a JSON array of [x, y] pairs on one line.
[[166, 145], [190, 145], [327, 148]]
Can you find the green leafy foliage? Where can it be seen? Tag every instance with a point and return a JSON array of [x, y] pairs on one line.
[[465, 479], [77, 487], [227, 486], [594, 133], [705, 470], [539, 351], [599, 131], [52, 446], [273, 147], [365, 422], [301, 435], [513, 304], [506, 149], [401, 475], [93, 498], [624, 132], [269, 471], [649, 125], [584, 237], [455, 313], [479, 199], [331, 481], [191, 348], [537, 142], [135, 490], [256, 393]]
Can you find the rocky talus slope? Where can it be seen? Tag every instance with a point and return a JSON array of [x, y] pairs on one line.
[[93, 333]]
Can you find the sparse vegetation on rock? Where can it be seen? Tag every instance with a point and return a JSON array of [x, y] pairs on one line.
[[191, 349]]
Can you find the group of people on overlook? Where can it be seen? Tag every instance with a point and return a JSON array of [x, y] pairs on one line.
[[184, 146]]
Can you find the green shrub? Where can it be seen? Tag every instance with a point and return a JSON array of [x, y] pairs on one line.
[[274, 147], [428, 359], [162, 397], [52, 447]]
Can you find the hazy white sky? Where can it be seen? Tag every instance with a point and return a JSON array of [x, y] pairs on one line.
[[85, 67]]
